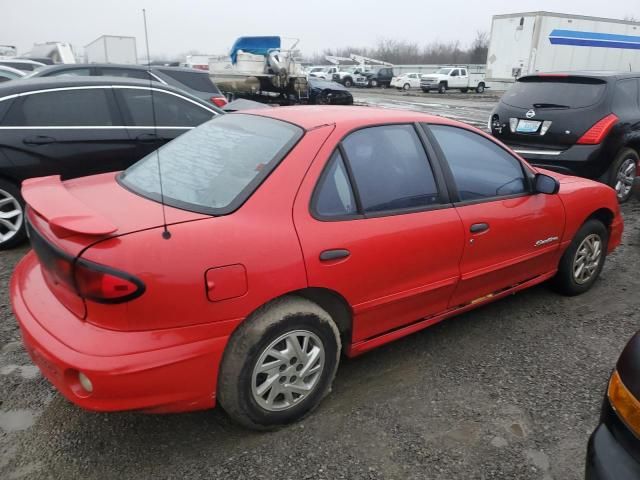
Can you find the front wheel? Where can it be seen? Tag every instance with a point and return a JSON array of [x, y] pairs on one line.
[[374, 83], [480, 88], [348, 83], [406, 86], [622, 173], [583, 260], [279, 364], [442, 88], [464, 90], [12, 227]]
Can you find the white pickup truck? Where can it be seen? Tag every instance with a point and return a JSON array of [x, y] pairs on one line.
[[453, 78]]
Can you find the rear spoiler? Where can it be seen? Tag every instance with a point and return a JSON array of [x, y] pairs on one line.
[[48, 197]]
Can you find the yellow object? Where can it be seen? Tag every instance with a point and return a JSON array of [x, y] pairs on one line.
[[624, 403]]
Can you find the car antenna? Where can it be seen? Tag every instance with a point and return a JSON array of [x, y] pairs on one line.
[[166, 234]]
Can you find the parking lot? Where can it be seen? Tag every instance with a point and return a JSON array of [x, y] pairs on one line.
[[511, 390]]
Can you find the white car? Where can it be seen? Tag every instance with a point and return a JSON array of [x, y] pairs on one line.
[[326, 73], [406, 81], [9, 73]]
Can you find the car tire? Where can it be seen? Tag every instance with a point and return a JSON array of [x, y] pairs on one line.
[[621, 173], [425, 90], [480, 88], [348, 82], [374, 83], [442, 88], [570, 279], [464, 90], [241, 384], [406, 86], [12, 227]]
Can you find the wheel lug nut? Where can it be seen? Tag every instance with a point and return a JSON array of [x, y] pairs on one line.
[[293, 379], [283, 368], [282, 379], [299, 367], [293, 361]]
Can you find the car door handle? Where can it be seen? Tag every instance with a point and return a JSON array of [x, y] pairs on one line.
[[335, 254], [38, 140], [147, 137], [479, 227]]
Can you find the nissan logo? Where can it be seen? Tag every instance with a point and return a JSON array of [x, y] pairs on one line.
[[531, 113]]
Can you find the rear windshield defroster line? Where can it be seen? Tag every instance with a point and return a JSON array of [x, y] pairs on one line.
[[214, 168]]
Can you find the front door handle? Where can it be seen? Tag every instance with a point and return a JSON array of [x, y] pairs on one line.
[[335, 254], [38, 140], [479, 227]]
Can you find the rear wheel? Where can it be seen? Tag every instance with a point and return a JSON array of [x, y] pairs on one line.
[[582, 262], [622, 173], [480, 88], [279, 364], [348, 82], [12, 228], [425, 90], [442, 88], [374, 83], [406, 86]]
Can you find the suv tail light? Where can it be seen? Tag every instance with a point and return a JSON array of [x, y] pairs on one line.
[[105, 285], [218, 101], [598, 131]]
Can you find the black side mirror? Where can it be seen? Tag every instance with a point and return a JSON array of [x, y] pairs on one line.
[[545, 184]]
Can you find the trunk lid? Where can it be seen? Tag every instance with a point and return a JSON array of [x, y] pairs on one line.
[[65, 218], [550, 111]]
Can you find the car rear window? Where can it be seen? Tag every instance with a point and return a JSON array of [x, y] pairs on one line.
[[198, 81], [215, 167], [555, 92]]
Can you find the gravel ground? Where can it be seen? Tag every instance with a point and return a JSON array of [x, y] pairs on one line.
[[511, 390]]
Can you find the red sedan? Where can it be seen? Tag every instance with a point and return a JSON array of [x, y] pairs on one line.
[[292, 235]]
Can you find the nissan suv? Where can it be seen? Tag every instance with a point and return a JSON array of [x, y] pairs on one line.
[[579, 123]]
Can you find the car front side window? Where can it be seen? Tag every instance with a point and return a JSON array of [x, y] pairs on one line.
[[481, 169]]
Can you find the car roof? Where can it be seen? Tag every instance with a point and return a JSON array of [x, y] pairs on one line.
[[599, 74], [313, 116], [20, 60], [73, 66], [7, 68], [24, 85]]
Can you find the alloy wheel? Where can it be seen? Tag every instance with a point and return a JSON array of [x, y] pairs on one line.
[[624, 178], [288, 370], [587, 259], [11, 216]]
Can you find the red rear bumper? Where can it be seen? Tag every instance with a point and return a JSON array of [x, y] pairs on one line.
[[173, 376]]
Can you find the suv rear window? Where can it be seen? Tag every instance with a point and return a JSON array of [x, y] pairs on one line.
[[198, 81], [215, 167], [555, 92]]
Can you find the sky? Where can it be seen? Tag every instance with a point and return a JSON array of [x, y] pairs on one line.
[[210, 27]]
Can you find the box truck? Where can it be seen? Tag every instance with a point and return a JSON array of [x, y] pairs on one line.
[[112, 49], [524, 43]]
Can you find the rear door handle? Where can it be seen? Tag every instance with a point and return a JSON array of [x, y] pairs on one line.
[[479, 227], [38, 140], [335, 254], [147, 137]]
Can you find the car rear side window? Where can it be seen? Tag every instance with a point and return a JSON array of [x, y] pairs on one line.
[[555, 92], [334, 195], [391, 169], [170, 110], [214, 168], [198, 81], [480, 168], [626, 95], [63, 108]]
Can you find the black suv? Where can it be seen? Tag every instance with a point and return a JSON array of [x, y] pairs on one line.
[[196, 82], [585, 124], [73, 127], [380, 77]]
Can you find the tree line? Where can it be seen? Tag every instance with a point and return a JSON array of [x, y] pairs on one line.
[[401, 52]]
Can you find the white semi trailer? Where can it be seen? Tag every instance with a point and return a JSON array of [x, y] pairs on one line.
[[112, 49], [524, 43]]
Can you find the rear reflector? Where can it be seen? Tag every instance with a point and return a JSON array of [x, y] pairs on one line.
[[599, 131], [219, 101]]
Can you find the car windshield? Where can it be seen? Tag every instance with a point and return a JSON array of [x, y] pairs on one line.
[[554, 92], [444, 71], [215, 167]]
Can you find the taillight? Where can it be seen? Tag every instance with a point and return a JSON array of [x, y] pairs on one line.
[[104, 284], [218, 101], [596, 134]]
